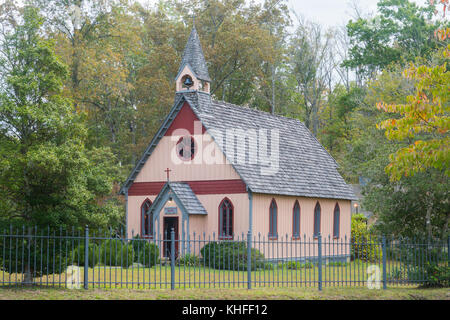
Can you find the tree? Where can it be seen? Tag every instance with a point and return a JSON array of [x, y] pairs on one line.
[[400, 32], [411, 206], [424, 121], [47, 175], [309, 55]]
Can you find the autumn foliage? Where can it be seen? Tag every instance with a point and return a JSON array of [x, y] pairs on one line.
[[424, 119]]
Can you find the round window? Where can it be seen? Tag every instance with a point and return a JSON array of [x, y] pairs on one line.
[[186, 148]]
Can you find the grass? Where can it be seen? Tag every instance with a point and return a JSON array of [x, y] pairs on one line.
[[159, 277], [224, 294]]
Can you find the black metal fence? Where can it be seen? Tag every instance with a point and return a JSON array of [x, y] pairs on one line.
[[79, 259]]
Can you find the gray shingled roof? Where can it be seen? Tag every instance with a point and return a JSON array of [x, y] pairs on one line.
[[305, 167], [184, 192], [193, 56]]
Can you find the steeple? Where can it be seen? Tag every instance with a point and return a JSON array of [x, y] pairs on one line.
[[193, 72]]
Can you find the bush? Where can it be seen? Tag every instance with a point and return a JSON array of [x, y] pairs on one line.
[[76, 256], [145, 252], [430, 274], [265, 266], [363, 246], [231, 255], [48, 255], [337, 264], [116, 252], [295, 265], [411, 253], [396, 274], [189, 260], [437, 275]]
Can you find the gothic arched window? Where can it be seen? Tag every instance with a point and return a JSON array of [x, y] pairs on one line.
[[226, 219], [273, 220], [146, 219], [296, 221], [336, 221], [317, 220]]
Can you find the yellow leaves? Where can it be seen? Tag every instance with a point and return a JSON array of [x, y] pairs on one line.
[[425, 112], [442, 34], [381, 106]]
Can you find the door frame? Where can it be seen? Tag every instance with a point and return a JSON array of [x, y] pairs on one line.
[[167, 240]]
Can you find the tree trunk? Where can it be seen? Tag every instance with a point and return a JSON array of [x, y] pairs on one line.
[[273, 90], [28, 273], [428, 221]]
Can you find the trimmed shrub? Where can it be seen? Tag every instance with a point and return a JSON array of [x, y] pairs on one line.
[[295, 265], [77, 255], [116, 252], [265, 266], [145, 252], [189, 260], [337, 264], [363, 246], [231, 255]]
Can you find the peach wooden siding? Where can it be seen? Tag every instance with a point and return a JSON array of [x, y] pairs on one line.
[[261, 203], [273, 248], [160, 159], [197, 223]]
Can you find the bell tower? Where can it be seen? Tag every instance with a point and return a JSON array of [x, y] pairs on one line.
[[193, 72]]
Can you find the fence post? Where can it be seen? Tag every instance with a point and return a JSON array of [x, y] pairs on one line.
[[172, 259], [383, 244], [249, 259], [86, 258], [319, 252]]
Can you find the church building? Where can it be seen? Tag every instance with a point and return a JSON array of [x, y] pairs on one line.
[[223, 170]]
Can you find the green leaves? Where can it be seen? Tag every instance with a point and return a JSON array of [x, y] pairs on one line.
[[49, 176], [400, 33], [425, 117]]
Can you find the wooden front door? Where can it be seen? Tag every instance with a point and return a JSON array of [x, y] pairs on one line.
[[169, 223]]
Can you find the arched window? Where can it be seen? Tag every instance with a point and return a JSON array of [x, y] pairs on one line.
[[146, 219], [317, 220], [296, 221], [273, 234], [226, 219], [336, 221]]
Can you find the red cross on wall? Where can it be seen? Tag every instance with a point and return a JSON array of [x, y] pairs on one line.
[[167, 171]]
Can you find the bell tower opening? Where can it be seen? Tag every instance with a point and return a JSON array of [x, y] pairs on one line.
[[193, 72]]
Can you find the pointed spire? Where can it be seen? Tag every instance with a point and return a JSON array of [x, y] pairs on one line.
[[193, 56]]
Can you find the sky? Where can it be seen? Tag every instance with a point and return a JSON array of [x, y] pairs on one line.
[[328, 13], [331, 13]]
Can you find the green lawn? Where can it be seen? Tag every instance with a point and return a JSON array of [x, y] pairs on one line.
[[159, 277], [224, 294]]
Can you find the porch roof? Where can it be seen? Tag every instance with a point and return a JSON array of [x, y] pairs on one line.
[[184, 197]]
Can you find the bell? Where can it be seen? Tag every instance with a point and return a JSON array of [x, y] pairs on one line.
[[188, 82]]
